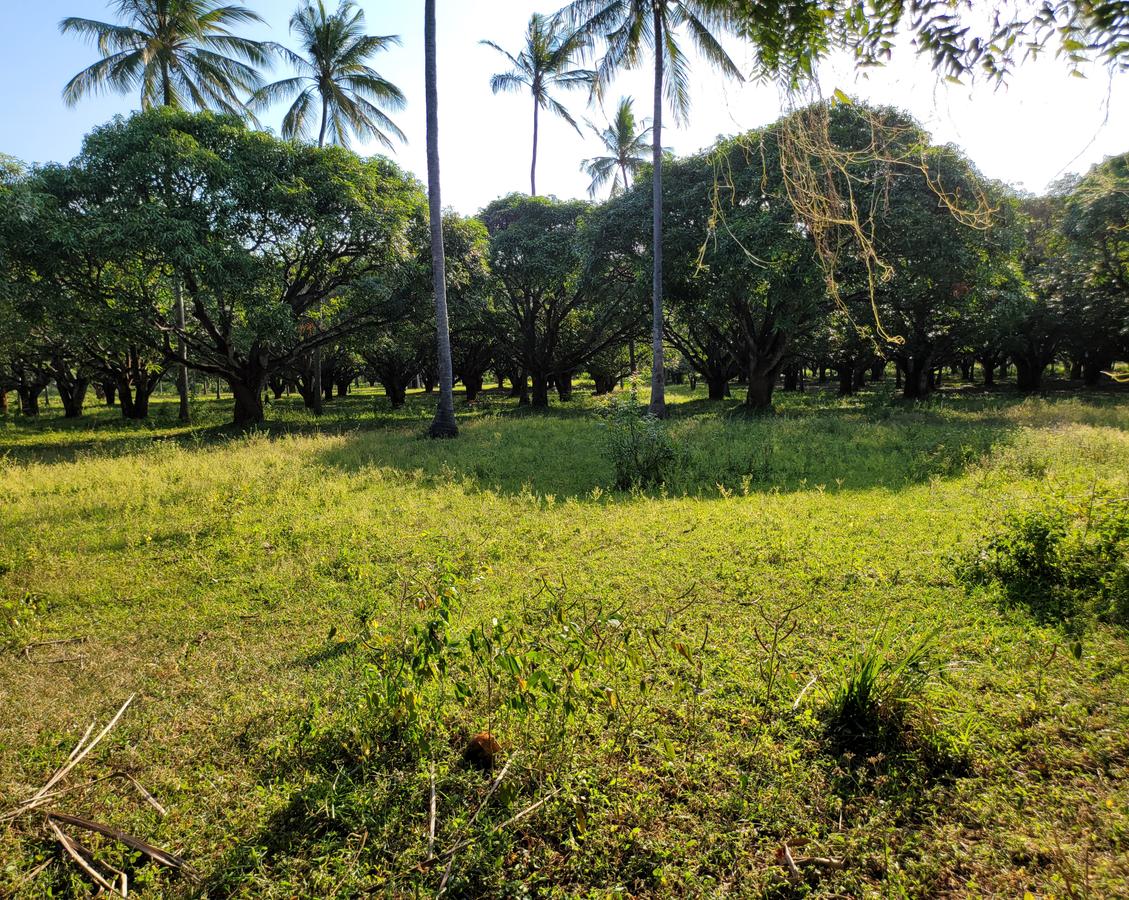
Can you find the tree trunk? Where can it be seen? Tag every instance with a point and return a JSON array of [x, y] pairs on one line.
[[472, 381], [759, 395], [3, 401], [878, 371], [1092, 370], [444, 425], [1028, 375], [181, 354], [29, 399], [396, 389], [533, 167], [564, 387], [248, 402], [109, 392], [317, 394], [1076, 368], [658, 372], [73, 396], [540, 391], [918, 378], [718, 387]]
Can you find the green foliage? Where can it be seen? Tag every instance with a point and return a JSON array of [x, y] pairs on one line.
[[1064, 559], [870, 697], [638, 444]]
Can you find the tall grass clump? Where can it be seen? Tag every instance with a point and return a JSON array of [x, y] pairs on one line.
[[638, 443], [1066, 560], [869, 699]]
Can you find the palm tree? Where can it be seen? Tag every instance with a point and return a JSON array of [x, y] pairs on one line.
[[333, 69], [179, 53], [353, 96], [627, 28], [545, 63], [625, 146], [444, 424]]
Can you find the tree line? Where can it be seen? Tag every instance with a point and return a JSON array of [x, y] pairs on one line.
[[182, 54], [280, 249]]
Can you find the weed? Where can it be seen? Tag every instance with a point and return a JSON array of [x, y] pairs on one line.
[[868, 701], [638, 444], [1064, 559]]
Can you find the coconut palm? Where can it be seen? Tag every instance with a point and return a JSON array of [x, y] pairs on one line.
[[334, 75], [545, 64], [625, 145], [444, 424], [628, 28], [180, 53]]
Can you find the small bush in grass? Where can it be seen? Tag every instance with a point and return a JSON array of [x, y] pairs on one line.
[[1065, 560], [639, 444], [868, 700]]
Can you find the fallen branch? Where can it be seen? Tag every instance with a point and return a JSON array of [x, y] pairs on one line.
[[29, 647], [82, 858], [154, 853]]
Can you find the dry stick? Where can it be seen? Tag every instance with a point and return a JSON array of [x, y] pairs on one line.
[[13, 889], [29, 647], [154, 853], [74, 853], [76, 757], [431, 821], [149, 798], [793, 869], [512, 820], [481, 806], [807, 687]]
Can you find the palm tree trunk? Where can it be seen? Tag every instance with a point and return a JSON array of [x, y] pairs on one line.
[[658, 375], [533, 168], [318, 398], [444, 424], [324, 120]]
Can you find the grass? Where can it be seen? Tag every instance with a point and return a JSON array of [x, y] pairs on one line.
[[241, 585]]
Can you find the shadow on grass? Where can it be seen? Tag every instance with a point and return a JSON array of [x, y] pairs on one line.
[[811, 441], [814, 438]]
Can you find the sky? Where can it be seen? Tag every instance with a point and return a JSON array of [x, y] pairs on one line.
[[1044, 124]]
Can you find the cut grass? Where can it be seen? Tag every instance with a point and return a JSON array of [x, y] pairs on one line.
[[207, 570]]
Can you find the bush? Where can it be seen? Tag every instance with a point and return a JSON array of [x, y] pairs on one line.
[[1067, 561], [639, 444]]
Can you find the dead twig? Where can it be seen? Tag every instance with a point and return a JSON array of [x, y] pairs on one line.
[[431, 819], [81, 750], [156, 854], [34, 644], [82, 858], [30, 876], [149, 798]]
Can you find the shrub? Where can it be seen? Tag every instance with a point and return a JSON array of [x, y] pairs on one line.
[[639, 444], [1067, 561]]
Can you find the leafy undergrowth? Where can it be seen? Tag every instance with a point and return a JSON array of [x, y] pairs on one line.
[[770, 650]]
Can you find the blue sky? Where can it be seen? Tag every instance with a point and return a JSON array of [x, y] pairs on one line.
[[1043, 124]]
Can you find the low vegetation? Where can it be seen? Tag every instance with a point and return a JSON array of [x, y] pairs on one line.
[[366, 662]]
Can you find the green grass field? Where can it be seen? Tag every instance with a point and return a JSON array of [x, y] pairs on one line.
[[256, 593]]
